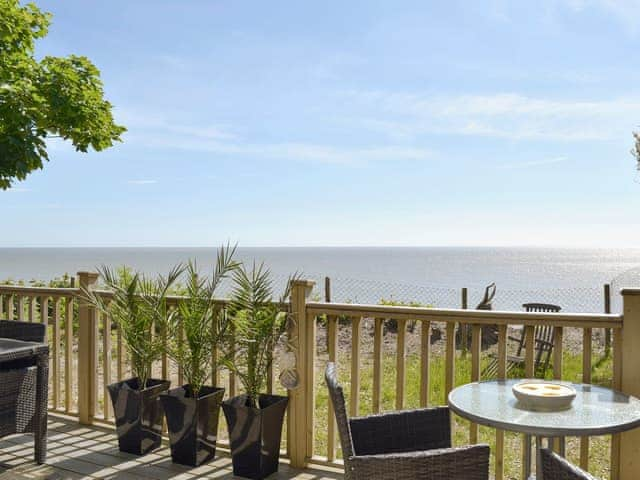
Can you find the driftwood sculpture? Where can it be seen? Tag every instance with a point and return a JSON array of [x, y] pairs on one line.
[[489, 293], [489, 332]]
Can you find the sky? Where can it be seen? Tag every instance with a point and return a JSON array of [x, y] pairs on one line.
[[338, 123]]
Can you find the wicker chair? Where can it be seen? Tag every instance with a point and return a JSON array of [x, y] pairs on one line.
[[405, 445], [554, 467], [18, 386]]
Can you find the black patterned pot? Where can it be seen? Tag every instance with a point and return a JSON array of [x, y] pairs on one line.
[[138, 414], [192, 423], [254, 434]]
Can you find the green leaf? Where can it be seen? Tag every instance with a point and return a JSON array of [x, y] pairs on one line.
[[56, 96]]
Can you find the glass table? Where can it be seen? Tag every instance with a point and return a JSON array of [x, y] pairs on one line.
[[595, 411]]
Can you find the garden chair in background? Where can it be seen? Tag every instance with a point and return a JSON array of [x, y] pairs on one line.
[[543, 339], [554, 467], [404, 445]]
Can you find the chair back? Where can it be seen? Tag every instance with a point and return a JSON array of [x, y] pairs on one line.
[[337, 400], [541, 307]]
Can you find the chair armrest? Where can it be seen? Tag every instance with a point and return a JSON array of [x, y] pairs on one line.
[[403, 431], [515, 339], [464, 463], [25, 331]]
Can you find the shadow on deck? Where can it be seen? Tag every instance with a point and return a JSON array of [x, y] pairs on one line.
[[76, 451]]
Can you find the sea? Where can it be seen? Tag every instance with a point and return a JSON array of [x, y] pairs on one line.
[[571, 278]]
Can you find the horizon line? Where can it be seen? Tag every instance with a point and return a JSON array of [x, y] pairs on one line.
[[558, 246]]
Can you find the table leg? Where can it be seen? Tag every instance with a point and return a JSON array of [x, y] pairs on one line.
[[538, 458], [42, 398], [527, 456]]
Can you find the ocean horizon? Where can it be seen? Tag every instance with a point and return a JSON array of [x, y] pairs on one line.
[[571, 277]]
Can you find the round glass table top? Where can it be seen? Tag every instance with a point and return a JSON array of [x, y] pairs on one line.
[[595, 410]]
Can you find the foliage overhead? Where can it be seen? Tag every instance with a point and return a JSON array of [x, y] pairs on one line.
[[200, 327], [636, 149], [139, 307], [55, 97], [259, 323]]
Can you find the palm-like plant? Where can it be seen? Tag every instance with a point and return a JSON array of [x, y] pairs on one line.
[[199, 325], [138, 305], [258, 323]]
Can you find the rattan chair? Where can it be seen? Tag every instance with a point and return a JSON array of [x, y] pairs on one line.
[[21, 410], [405, 445], [554, 467]]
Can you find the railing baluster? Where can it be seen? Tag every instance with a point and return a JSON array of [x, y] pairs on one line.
[[530, 348], [164, 358], [55, 353], [502, 375], [106, 364], [310, 375], [44, 319], [476, 339], [425, 362], [450, 359], [181, 370], [354, 400], [119, 354], [32, 309], [529, 372], [332, 347], [9, 306], [232, 354], [586, 378], [377, 364], [617, 385], [214, 354], [21, 308], [558, 333], [68, 354], [401, 363]]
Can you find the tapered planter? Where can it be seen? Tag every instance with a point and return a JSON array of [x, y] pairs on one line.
[[254, 434], [192, 423], [138, 414]]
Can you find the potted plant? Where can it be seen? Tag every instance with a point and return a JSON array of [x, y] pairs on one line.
[[192, 410], [255, 419], [138, 305]]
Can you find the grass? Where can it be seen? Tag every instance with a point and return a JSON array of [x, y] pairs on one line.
[[572, 371]]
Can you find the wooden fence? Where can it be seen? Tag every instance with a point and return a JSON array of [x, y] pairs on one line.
[[87, 354]]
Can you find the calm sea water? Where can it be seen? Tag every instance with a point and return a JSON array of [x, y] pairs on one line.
[[429, 274]]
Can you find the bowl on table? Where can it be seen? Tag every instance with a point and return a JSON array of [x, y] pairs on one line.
[[541, 395]]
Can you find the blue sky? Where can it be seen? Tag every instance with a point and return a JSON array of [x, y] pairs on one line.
[[347, 123]]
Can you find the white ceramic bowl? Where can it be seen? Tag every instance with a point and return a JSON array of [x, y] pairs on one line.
[[541, 395]]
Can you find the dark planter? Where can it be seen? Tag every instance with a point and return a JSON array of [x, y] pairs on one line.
[[138, 414], [254, 434], [192, 423]]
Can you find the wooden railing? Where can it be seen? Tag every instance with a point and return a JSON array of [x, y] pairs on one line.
[[624, 374], [87, 354]]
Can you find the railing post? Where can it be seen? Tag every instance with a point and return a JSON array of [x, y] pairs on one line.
[[607, 309], [464, 331], [301, 399], [87, 352], [629, 449]]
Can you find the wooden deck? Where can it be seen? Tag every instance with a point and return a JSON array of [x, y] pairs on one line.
[[76, 451]]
